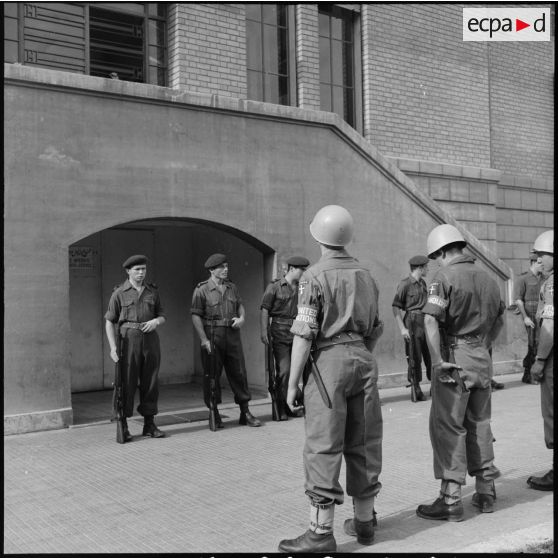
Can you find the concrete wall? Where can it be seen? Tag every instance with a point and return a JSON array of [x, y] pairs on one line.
[[138, 152]]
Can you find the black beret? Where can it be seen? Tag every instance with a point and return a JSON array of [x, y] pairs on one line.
[[138, 259], [298, 261], [418, 260], [214, 260]]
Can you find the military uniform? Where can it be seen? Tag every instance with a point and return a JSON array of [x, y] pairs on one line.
[[338, 310], [528, 286], [466, 303], [545, 313], [141, 353], [217, 309], [410, 297]]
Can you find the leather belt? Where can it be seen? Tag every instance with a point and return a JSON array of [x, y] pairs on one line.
[[284, 321], [222, 323], [343, 337], [132, 325], [414, 311], [464, 339]]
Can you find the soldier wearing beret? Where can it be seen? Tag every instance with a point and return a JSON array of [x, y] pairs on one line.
[[407, 306], [217, 308], [135, 310], [279, 304]]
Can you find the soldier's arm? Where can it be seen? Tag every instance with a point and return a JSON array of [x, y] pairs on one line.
[[111, 336], [264, 322], [432, 331], [398, 315]]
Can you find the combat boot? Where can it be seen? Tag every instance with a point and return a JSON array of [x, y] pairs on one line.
[[419, 395], [127, 435], [149, 428], [447, 506], [484, 496], [545, 483], [362, 524], [319, 538], [247, 418]]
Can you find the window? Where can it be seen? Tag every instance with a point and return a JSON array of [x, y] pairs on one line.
[[269, 52], [125, 39], [338, 76]]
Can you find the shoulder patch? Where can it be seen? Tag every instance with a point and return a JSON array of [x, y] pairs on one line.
[[201, 283], [301, 286], [153, 285], [116, 287]]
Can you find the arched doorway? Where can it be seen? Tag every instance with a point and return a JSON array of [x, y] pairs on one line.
[[177, 249]]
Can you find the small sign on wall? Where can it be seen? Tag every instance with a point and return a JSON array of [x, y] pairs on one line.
[[82, 257]]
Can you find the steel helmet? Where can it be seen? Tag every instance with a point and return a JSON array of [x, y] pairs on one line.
[[545, 242], [332, 225], [441, 236]]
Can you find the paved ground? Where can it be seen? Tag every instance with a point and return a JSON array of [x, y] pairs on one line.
[[240, 489]]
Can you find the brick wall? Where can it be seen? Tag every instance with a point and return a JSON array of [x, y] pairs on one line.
[[522, 107], [427, 89], [307, 56], [207, 48]]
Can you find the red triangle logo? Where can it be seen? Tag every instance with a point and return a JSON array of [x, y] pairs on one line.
[[519, 25]]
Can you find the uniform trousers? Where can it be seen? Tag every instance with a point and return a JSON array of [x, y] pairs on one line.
[[141, 356], [532, 336], [547, 400], [282, 345], [460, 432], [226, 353], [417, 349], [352, 428]]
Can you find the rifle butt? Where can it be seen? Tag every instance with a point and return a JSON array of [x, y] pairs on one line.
[[274, 409], [212, 420], [120, 431]]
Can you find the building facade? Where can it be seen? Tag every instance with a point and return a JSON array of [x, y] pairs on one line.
[[178, 130]]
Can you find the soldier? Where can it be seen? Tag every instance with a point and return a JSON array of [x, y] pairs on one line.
[[338, 318], [407, 308], [279, 303], [135, 308], [528, 286], [217, 307], [463, 315], [542, 371]]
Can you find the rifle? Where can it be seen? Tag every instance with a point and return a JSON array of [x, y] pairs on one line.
[[212, 386], [319, 382], [271, 377], [410, 346], [118, 395]]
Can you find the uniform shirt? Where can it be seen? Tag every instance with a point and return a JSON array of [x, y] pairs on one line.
[[464, 298], [411, 294], [336, 295], [127, 305], [545, 313], [210, 303], [280, 299], [528, 287]]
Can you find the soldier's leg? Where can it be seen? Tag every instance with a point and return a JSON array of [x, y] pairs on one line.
[[149, 375], [214, 360], [131, 366], [363, 450], [480, 452], [282, 355], [235, 369], [546, 482], [448, 437]]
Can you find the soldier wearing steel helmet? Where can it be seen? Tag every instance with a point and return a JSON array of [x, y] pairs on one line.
[[542, 371], [463, 316], [338, 320]]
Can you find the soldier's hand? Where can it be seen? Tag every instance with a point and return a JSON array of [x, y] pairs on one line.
[[293, 398], [237, 323], [537, 371], [206, 345], [150, 325], [443, 372], [264, 339], [405, 334], [528, 322], [114, 355]]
